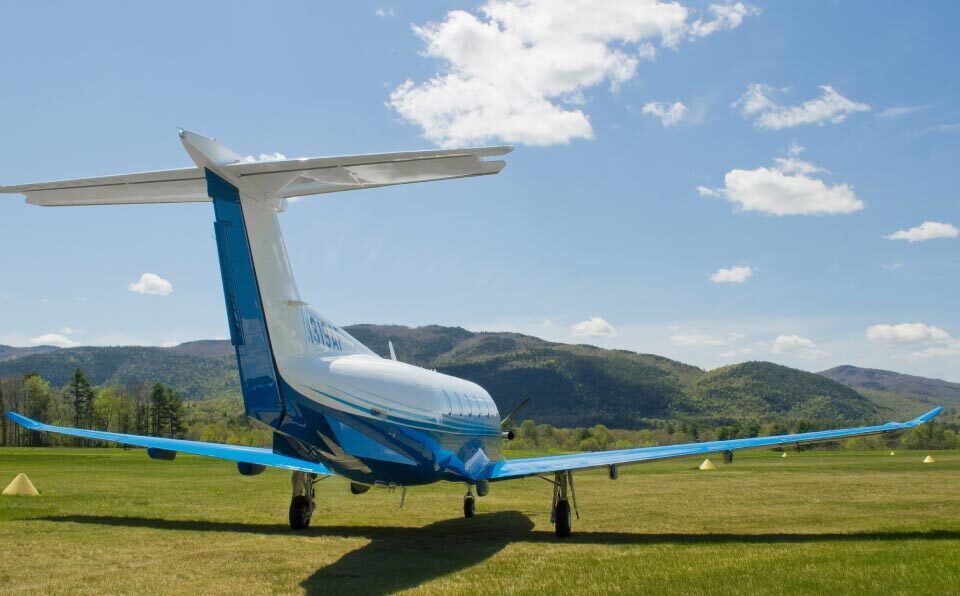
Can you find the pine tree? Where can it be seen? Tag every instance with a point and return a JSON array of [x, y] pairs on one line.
[[81, 393], [36, 394], [175, 413], [158, 399]]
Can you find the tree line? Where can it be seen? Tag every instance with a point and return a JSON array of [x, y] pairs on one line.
[[140, 409], [136, 408], [937, 434]]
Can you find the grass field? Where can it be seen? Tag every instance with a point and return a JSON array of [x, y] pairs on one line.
[[816, 522]]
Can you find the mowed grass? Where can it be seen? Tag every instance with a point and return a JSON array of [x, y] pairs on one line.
[[113, 521]]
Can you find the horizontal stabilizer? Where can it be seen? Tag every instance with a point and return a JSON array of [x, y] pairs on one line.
[[186, 185], [281, 179]]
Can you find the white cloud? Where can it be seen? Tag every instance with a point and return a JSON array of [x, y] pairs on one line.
[[758, 102], [941, 128], [593, 327], [517, 71], [151, 283], [734, 275], [935, 352], [787, 188], [725, 16], [800, 346], [736, 353], [385, 12], [275, 156], [928, 230], [546, 322], [669, 114], [70, 331], [702, 339], [891, 266], [908, 333], [52, 339], [898, 111]]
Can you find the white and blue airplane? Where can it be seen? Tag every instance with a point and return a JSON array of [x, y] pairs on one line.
[[336, 407]]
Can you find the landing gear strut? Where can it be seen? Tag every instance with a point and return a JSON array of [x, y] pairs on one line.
[[560, 512], [469, 503], [302, 504]]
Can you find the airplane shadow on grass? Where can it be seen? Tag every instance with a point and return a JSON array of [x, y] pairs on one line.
[[398, 558]]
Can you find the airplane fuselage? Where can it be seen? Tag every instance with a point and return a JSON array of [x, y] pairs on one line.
[[382, 422]]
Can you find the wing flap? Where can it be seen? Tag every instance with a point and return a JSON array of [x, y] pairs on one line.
[[516, 468], [237, 453]]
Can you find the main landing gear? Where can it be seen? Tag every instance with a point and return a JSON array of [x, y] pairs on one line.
[[302, 504], [560, 511]]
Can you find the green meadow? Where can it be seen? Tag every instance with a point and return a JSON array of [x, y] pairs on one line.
[[113, 521]]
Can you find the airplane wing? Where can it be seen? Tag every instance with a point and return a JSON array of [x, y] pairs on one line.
[[283, 179], [248, 455], [529, 466]]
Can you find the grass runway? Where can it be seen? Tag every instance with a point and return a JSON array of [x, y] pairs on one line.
[[113, 521]]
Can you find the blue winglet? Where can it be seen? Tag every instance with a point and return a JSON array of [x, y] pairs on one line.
[[237, 453], [926, 417], [23, 421]]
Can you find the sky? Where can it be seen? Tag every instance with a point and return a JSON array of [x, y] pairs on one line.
[[712, 182]]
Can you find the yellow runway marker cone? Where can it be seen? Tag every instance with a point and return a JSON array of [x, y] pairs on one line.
[[707, 465], [21, 487], [893, 453], [929, 460], [784, 454]]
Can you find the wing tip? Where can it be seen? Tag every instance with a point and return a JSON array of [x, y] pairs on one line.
[[927, 417], [28, 423]]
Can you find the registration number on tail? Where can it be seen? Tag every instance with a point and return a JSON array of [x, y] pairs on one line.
[[322, 333]]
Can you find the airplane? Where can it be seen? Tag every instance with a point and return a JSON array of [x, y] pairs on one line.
[[335, 407]]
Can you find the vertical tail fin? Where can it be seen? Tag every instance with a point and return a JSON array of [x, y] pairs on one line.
[[259, 378]]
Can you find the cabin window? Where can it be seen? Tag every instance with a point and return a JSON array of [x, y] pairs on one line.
[[460, 409], [449, 403]]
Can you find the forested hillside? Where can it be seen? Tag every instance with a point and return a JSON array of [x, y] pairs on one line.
[[568, 385]]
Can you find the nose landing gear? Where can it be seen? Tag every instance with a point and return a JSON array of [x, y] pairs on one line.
[[469, 503]]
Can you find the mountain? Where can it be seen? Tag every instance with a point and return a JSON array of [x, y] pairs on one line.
[[894, 382], [196, 376], [568, 385], [10, 352], [897, 391], [772, 391]]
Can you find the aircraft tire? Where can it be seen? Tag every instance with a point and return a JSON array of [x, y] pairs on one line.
[[299, 513], [562, 516], [469, 506]]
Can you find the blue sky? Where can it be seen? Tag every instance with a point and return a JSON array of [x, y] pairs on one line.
[[710, 182]]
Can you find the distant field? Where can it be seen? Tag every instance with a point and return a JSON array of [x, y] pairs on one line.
[[816, 522]]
